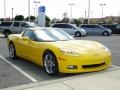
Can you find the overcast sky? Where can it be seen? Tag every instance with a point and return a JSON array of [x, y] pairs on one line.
[[56, 8]]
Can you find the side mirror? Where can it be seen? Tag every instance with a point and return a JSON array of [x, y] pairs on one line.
[[26, 38]]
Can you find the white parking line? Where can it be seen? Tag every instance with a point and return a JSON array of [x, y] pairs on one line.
[[114, 66], [19, 69]]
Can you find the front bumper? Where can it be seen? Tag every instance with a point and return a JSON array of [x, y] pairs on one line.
[[84, 64]]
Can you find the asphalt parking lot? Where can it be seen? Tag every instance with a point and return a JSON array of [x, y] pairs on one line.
[[19, 71]]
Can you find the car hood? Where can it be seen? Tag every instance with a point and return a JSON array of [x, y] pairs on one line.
[[79, 45]]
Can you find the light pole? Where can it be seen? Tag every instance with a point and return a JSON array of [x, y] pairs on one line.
[[36, 2], [88, 11], [5, 9], [34, 11], [12, 14], [85, 14], [29, 10], [71, 4], [102, 5]]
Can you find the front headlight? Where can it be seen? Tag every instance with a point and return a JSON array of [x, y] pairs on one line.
[[106, 49], [69, 52]]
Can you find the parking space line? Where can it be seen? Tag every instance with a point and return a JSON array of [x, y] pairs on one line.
[[114, 66], [19, 69]]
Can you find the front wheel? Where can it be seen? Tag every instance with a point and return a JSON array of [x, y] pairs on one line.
[[12, 51], [105, 33], [78, 34], [50, 63]]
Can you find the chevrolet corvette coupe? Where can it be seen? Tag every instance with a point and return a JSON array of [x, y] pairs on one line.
[[58, 52]]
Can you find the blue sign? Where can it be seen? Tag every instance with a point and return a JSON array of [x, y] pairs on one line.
[[42, 9]]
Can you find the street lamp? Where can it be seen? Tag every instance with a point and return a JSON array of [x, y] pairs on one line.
[[34, 11], [29, 10], [5, 9], [71, 4], [102, 5], [12, 14], [36, 2], [88, 11]]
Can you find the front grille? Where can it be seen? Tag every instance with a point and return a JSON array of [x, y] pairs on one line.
[[93, 65]]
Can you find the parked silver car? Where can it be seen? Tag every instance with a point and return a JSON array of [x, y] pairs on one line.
[[95, 29], [70, 29], [12, 27]]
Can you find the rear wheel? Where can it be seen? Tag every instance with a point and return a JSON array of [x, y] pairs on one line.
[[78, 34], [105, 33], [12, 51], [7, 33], [50, 63]]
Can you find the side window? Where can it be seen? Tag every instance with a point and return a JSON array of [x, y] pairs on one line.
[[6, 23], [62, 26], [70, 26], [16, 24], [85, 26], [92, 26], [24, 24], [59, 25], [56, 25], [29, 34], [97, 26], [118, 26]]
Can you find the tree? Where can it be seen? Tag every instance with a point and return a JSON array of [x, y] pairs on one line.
[[32, 18], [19, 18], [47, 23], [65, 20], [77, 22]]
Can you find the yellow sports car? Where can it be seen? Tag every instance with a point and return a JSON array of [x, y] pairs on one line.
[[58, 52]]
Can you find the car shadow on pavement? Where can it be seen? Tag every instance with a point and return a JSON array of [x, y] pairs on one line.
[[35, 70]]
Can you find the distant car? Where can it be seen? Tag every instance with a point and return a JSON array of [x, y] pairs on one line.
[[12, 27], [57, 51], [95, 29], [114, 27], [70, 29]]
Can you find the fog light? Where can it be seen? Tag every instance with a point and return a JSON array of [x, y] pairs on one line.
[[72, 67]]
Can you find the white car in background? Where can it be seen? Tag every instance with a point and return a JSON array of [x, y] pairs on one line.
[[70, 29]]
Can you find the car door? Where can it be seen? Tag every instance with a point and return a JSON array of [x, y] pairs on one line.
[[98, 29], [117, 29], [16, 27], [29, 47], [89, 29], [70, 29]]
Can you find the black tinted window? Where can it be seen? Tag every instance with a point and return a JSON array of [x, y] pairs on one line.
[[16, 24], [85, 26], [59, 25], [69, 26], [24, 24], [109, 26], [29, 34], [90, 26], [6, 23]]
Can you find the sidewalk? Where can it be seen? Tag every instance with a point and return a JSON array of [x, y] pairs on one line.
[[103, 80]]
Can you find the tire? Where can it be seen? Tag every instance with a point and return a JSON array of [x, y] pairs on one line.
[[50, 63], [105, 33], [78, 34], [12, 51], [7, 33]]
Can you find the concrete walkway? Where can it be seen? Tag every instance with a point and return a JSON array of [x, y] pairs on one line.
[[103, 80]]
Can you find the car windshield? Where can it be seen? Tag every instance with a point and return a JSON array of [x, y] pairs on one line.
[[52, 35]]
